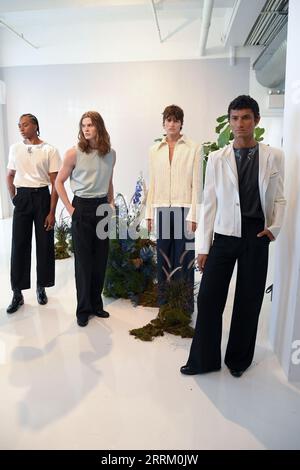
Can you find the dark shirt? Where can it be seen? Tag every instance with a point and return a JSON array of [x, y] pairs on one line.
[[247, 162]]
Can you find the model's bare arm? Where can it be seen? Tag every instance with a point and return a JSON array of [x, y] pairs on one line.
[[63, 174], [50, 219], [10, 182]]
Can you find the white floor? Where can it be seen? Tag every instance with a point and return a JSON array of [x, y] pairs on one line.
[[65, 387]]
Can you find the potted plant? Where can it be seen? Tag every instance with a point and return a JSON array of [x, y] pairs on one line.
[[62, 233]]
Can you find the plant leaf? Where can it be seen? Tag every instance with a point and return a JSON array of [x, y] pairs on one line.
[[166, 258], [258, 133], [222, 118], [182, 257], [174, 271], [191, 263], [224, 137], [220, 127], [166, 273]]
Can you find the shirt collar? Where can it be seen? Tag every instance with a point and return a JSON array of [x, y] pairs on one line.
[[183, 138]]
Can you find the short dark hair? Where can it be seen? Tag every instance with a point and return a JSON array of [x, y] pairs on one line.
[[173, 111], [244, 102], [33, 120]]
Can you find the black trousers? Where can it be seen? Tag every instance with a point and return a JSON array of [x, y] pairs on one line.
[[32, 205], [173, 240], [251, 254], [90, 253]]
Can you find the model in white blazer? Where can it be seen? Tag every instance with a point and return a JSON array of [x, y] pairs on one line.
[[221, 203]]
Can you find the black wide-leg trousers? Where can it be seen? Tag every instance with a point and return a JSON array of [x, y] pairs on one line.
[[251, 254], [177, 244], [32, 205], [90, 252]]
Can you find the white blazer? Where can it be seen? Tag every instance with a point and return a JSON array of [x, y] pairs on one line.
[[221, 201]]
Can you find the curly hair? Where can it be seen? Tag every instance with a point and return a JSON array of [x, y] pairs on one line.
[[102, 139]]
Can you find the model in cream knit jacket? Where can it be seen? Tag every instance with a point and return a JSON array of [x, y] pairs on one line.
[[176, 184]]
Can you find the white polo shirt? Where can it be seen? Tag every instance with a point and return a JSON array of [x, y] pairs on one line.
[[33, 163]]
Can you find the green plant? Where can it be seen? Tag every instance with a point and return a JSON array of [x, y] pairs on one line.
[[62, 233], [174, 315], [131, 271], [131, 267]]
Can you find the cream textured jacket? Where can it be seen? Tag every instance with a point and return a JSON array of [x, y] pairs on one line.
[[221, 202], [178, 184]]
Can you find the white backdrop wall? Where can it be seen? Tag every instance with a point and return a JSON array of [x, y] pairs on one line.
[[4, 202], [130, 97]]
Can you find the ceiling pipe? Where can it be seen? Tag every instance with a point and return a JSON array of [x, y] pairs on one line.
[[272, 74], [271, 64], [206, 21], [156, 20], [232, 56], [20, 35]]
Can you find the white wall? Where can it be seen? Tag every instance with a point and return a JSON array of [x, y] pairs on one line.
[[130, 97], [285, 328], [4, 200]]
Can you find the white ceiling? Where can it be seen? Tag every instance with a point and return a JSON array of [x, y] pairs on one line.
[[78, 31]]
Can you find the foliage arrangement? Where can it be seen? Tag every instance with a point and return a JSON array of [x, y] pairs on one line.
[[63, 237], [174, 315], [131, 267]]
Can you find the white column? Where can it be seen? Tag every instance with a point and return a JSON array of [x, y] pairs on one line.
[[5, 206], [285, 318]]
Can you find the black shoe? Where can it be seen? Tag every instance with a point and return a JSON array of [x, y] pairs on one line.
[[81, 322], [236, 373], [188, 370], [101, 314], [16, 302], [41, 295]]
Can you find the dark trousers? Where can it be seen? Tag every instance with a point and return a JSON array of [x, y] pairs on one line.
[[251, 254], [173, 240], [90, 254], [32, 205]]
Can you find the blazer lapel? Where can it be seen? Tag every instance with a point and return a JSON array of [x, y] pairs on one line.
[[264, 154], [231, 165]]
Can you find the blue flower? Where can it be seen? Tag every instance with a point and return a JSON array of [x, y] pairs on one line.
[[127, 245], [146, 253]]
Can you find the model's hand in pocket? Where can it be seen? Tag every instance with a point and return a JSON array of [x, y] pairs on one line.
[[71, 210], [266, 233]]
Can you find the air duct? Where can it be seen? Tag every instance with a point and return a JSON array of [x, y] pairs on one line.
[[271, 73], [270, 31], [270, 67]]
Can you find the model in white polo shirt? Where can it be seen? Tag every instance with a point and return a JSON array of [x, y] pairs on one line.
[[32, 167]]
